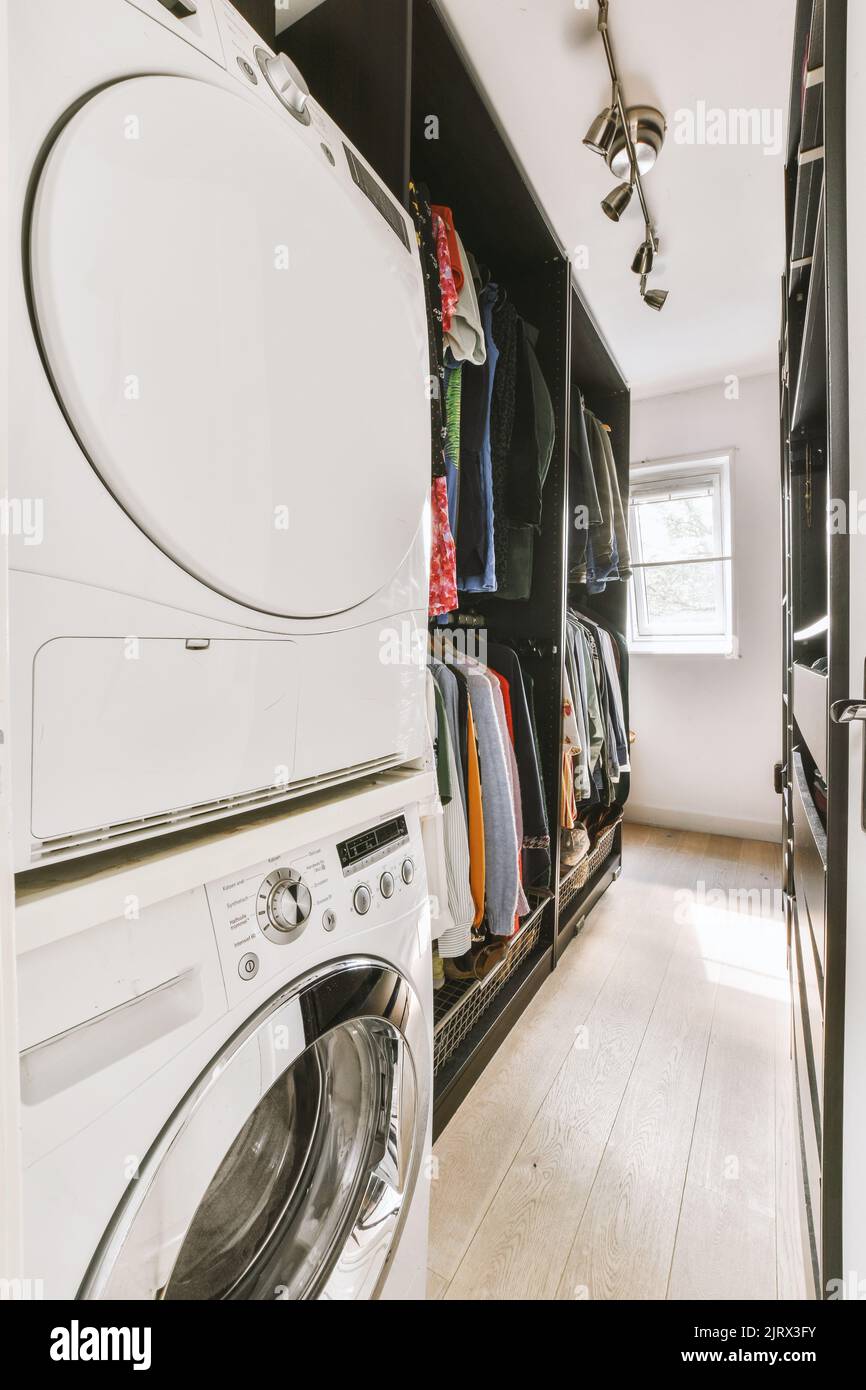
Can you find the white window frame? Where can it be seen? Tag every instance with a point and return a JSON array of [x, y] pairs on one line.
[[716, 468]]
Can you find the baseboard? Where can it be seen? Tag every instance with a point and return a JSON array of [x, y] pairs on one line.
[[668, 818]]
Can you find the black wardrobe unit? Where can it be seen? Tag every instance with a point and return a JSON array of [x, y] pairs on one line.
[[813, 774], [391, 73]]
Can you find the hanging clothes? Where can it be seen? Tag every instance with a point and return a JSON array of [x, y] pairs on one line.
[[443, 555], [443, 552], [595, 737], [493, 422], [620, 651], [582, 488], [454, 256], [419, 205], [599, 551], [433, 829], [447, 286], [453, 401], [496, 787], [505, 324], [465, 337], [454, 940], [476, 554], [536, 832], [532, 443]]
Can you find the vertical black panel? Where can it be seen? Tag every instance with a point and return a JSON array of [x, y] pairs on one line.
[[596, 375], [355, 54], [815, 465], [838, 751], [459, 150], [261, 15]]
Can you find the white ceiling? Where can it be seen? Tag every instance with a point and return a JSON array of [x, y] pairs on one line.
[[718, 208]]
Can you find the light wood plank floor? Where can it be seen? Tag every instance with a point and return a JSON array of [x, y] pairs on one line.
[[633, 1136]]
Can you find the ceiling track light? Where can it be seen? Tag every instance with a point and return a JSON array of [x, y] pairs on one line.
[[602, 133], [615, 204], [629, 139]]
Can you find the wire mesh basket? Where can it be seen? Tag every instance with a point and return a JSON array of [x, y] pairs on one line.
[[459, 1004], [579, 876]]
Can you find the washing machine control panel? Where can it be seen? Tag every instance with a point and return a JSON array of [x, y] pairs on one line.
[[272, 918]]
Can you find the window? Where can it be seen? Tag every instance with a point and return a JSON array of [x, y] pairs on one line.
[[680, 596]]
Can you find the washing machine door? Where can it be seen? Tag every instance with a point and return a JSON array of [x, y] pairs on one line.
[[237, 338], [288, 1169]]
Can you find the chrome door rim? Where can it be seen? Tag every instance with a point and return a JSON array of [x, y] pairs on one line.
[[356, 989]]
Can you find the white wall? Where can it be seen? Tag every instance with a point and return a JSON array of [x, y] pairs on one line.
[[708, 728]]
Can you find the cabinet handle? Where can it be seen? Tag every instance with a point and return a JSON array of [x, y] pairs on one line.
[[847, 711]]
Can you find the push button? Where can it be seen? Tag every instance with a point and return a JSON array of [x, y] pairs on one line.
[[408, 870], [362, 899], [248, 966], [329, 920], [386, 885]]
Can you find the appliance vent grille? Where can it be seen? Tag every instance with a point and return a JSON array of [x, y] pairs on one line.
[[187, 817]]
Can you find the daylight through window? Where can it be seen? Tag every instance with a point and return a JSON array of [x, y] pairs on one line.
[[680, 528]]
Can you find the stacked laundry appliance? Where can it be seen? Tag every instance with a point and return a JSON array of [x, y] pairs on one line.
[[202, 628]]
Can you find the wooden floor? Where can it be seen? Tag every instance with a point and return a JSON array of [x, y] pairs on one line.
[[633, 1136]]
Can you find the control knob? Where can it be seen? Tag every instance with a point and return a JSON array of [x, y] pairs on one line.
[[286, 81], [283, 906], [290, 905]]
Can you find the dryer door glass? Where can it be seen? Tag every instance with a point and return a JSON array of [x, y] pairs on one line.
[[288, 1169], [237, 339], [289, 1192]]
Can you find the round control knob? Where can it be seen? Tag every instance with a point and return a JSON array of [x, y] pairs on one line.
[[408, 870], [286, 81], [290, 905], [386, 885], [362, 899]]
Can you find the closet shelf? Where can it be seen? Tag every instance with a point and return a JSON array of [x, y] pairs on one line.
[[810, 180], [809, 42], [812, 125], [810, 712], [810, 395], [798, 278]]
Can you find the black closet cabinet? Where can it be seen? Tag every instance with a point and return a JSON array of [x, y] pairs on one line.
[[393, 76], [816, 765]]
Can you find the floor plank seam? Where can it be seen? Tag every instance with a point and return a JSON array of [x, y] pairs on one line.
[[535, 1116], [612, 1125], [691, 1143]]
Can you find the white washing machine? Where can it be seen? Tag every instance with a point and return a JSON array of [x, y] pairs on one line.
[[226, 1092], [219, 452]]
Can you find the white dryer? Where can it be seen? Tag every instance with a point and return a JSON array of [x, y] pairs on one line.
[[228, 1095], [220, 428]]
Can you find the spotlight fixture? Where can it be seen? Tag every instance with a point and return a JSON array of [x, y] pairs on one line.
[[615, 204], [655, 299], [630, 139], [602, 133], [643, 259], [647, 128]]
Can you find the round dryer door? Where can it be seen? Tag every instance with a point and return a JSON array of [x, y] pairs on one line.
[[238, 341], [288, 1169]]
